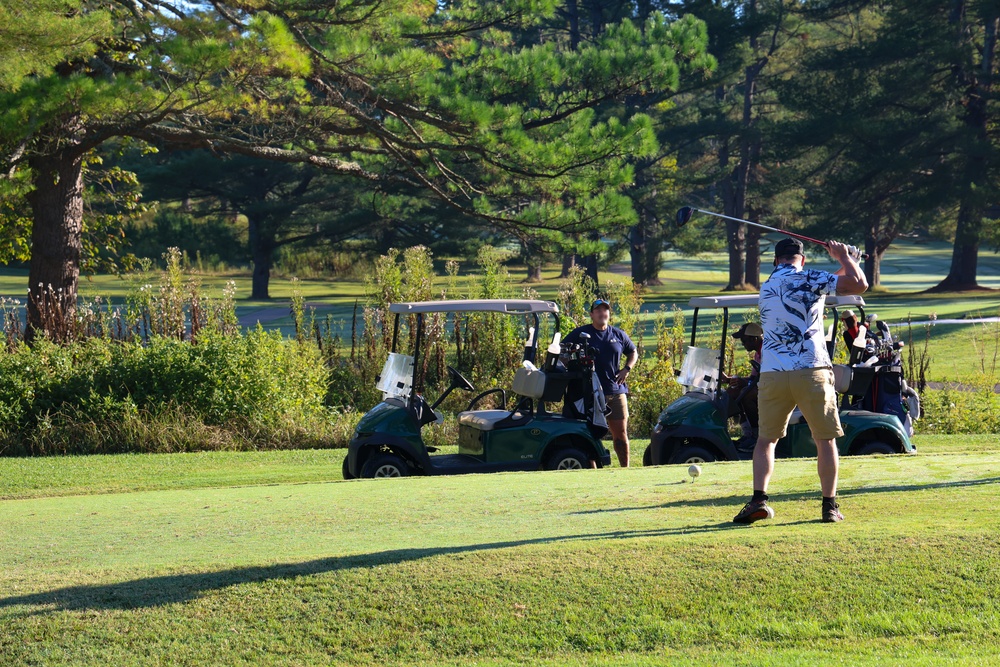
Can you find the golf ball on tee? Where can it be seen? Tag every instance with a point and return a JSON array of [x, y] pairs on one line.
[[694, 471]]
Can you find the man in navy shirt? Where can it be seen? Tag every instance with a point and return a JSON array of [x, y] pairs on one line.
[[611, 343]]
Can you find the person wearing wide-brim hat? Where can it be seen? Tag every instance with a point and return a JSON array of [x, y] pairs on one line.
[[611, 344], [796, 369], [851, 327], [744, 390]]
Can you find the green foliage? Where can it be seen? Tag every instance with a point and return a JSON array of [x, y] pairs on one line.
[[257, 379], [968, 409], [36, 35], [209, 240]]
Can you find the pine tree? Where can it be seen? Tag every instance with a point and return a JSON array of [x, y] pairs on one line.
[[426, 94]]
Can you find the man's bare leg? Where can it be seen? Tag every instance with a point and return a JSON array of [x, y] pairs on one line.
[[763, 463], [827, 464], [619, 434]]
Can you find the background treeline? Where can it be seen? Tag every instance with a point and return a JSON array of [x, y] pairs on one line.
[[865, 120]]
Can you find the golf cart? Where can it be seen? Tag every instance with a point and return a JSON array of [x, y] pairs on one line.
[[694, 428], [522, 436]]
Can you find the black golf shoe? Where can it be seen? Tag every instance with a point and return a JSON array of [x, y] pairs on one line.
[[755, 510], [831, 513]]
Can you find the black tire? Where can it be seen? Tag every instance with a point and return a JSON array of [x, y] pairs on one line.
[[647, 456], [693, 454], [346, 470], [876, 447], [567, 458], [384, 465]]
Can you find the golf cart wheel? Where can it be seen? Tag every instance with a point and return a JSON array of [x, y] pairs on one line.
[[384, 465], [568, 459], [647, 456], [346, 470], [693, 454], [876, 447]]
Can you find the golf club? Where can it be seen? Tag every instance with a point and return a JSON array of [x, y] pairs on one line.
[[685, 212]]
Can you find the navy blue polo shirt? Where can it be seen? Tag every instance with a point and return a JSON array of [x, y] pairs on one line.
[[610, 345]]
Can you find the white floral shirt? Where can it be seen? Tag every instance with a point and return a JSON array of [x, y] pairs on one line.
[[791, 313]]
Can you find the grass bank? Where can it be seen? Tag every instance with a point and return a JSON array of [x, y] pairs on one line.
[[612, 567]]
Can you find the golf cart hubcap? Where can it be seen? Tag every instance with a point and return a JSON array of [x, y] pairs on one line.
[[387, 471], [695, 459], [569, 464]]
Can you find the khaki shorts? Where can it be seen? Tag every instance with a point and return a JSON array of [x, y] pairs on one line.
[[811, 389], [619, 406]]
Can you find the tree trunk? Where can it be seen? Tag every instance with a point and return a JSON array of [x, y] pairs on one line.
[[534, 262], [568, 262], [645, 239], [644, 250], [590, 266], [573, 15], [753, 257], [596, 18], [262, 248], [56, 242], [736, 202], [962, 276], [734, 230], [873, 264]]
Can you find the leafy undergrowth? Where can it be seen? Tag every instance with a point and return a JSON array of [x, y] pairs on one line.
[[611, 567]]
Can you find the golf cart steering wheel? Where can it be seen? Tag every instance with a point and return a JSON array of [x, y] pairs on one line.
[[459, 381]]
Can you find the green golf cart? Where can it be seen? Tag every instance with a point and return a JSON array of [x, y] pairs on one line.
[[694, 428], [523, 436]]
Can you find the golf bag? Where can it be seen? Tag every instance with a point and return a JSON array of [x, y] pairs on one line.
[[885, 396], [886, 392]]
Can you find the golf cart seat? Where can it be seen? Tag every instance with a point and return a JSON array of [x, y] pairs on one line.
[[796, 417], [527, 383], [483, 420]]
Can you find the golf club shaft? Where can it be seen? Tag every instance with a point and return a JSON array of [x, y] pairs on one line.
[[757, 224]]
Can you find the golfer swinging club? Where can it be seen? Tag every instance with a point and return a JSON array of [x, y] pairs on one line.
[[796, 368]]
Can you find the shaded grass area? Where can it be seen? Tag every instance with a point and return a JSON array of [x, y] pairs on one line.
[[590, 568]]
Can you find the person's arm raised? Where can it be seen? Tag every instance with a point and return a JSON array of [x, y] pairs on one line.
[[850, 278]]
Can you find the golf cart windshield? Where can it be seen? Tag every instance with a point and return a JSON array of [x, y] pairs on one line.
[[399, 375]]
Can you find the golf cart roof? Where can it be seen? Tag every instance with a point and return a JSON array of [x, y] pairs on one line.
[[510, 306], [750, 301]]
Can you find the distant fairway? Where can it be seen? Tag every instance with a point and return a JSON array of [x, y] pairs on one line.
[[908, 267], [235, 559]]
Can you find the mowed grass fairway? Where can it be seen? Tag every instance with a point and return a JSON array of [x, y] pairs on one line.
[[240, 559]]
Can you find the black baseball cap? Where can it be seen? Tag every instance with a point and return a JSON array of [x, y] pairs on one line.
[[598, 303], [788, 246]]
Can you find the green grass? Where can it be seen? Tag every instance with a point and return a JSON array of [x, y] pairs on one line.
[[51, 476], [612, 567]]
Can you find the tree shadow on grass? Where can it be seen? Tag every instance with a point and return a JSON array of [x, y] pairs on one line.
[[844, 493], [180, 588]]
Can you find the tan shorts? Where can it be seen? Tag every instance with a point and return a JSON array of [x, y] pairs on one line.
[[619, 406], [811, 389]]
